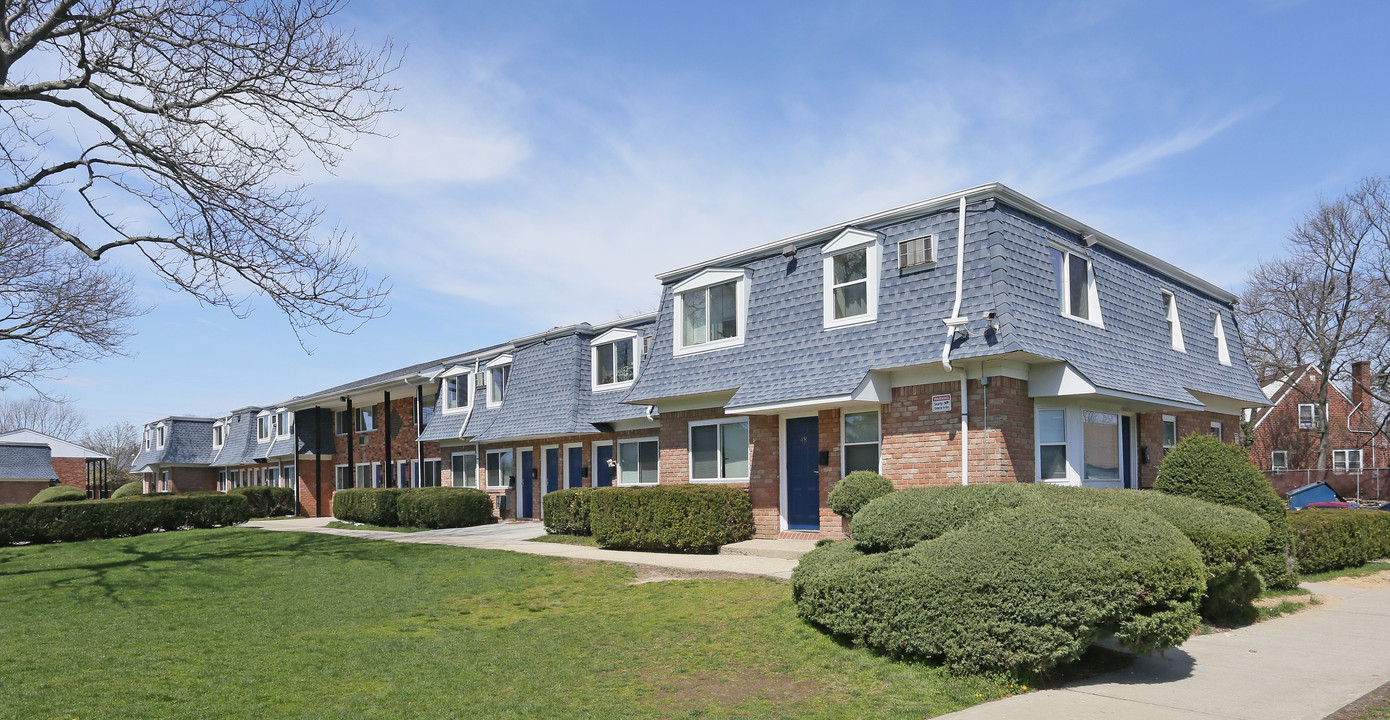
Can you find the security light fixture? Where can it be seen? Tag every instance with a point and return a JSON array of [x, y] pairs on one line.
[[789, 251]]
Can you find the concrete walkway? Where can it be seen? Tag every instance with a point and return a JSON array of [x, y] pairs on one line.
[[516, 537], [1303, 667]]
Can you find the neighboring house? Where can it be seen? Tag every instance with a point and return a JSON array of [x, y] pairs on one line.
[[1053, 353], [1062, 355], [1287, 435], [67, 461], [25, 469]]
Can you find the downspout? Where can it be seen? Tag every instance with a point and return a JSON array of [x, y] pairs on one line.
[[318, 462], [387, 479], [955, 324], [420, 426]]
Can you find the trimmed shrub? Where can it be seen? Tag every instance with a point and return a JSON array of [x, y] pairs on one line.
[[129, 489], [58, 493], [1329, 539], [373, 506], [856, 490], [443, 507], [906, 517], [1024, 589], [1205, 468], [567, 511], [98, 519], [686, 518], [267, 501]]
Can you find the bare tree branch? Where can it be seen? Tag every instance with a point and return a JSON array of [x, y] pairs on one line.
[[50, 416]]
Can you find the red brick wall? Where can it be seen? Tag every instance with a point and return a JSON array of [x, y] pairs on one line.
[[16, 492], [71, 471], [1279, 430], [922, 448], [404, 432], [1150, 434]]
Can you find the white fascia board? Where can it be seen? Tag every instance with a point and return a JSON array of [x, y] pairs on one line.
[[712, 276], [944, 202], [614, 334], [852, 237], [500, 360], [824, 403]]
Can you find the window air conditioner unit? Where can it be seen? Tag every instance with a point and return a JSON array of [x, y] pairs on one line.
[[916, 252], [479, 380]]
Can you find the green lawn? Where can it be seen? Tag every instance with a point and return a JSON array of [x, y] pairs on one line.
[[340, 525], [241, 623]]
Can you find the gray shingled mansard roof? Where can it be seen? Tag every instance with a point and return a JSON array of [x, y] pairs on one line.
[[26, 461], [787, 356], [187, 441], [239, 446]]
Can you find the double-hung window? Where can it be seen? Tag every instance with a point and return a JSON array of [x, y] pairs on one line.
[[262, 427], [1346, 461], [1279, 460], [159, 435], [499, 372], [284, 423], [429, 473], [1311, 416], [1170, 432], [463, 468], [850, 272], [342, 475], [1052, 445], [614, 359], [861, 441], [1076, 285], [711, 310], [719, 450], [457, 391], [500, 468], [638, 461], [1170, 312], [219, 435], [1216, 432], [366, 419], [340, 422], [364, 475]]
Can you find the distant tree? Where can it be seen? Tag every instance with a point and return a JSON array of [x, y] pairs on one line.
[[1324, 303], [120, 440], [176, 128], [50, 416]]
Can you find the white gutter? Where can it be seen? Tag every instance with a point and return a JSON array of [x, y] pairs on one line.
[[956, 324]]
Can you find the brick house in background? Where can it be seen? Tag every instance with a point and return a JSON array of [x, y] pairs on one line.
[[66, 461], [1287, 435]]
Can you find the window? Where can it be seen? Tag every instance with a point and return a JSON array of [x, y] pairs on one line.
[[457, 391], [404, 476], [1170, 312], [340, 422], [146, 436], [222, 481], [288, 476], [1052, 444], [219, 435], [1170, 432], [916, 251], [614, 359], [861, 435], [262, 427], [710, 311], [284, 423], [464, 469], [343, 477], [164, 479], [366, 419], [1346, 461], [1076, 286], [364, 475], [1311, 416], [1279, 460], [499, 371], [850, 273], [1216, 431], [159, 435], [1223, 354], [719, 450], [429, 473], [638, 461], [272, 476], [500, 469], [1101, 433]]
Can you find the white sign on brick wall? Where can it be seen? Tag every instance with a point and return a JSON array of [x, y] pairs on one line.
[[941, 403]]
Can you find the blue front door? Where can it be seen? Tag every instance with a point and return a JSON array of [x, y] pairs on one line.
[[528, 478], [574, 467], [603, 475], [803, 474], [552, 469]]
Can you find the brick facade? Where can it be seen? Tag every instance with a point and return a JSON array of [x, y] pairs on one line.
[[1150, 434], [316, 493], [1278, 428], [922, 447], [19, 492]]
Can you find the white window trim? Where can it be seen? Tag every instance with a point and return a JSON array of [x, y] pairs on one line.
[[1220, 433], [488, 480], [495, 363], [690, 449], [1275, 465], [336, 472], [1174, 321], [1313, 411], [219, 434], [878, 442], [1092, 293], [438, 471], [1170, 419], [850, 240], [465, 377], [284, 431], [1072, 477], [700, 281], [593, 462], [618, 458], [612, 336], [453, 479], [1346, 458], [161, 436], [1223, 352]]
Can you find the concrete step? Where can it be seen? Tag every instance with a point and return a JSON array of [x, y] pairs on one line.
[[781, 549]]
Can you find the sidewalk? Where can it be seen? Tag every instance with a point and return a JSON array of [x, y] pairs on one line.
[[1303, 667], [516, 538]]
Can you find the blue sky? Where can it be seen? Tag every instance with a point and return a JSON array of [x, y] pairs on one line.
[[549, 158]]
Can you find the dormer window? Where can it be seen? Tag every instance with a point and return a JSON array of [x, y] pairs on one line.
[[456, 387], [159, 436], [147, 437], [499, 371], [284, 423], [219, 435], [613, 359], [850, 270], [711, 310], [263, 427], [1170, 313], [1076, 286], [1223, 354]]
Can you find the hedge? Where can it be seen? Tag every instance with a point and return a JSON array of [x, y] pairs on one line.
[[372, 506], [567, 511], [267, 501], [443, 507], [1203, 467], [58, 493], [1329, 539], [686, 518], [97, 519], [1228, 539], [1024, 589], [128, 490], [856, 490]]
